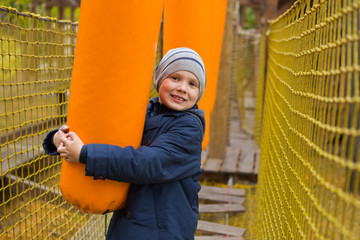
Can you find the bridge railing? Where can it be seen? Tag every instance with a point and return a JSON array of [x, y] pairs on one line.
[[309, 176], [36, 58]]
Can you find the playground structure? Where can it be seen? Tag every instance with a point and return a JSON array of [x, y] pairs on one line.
[[300, 78]]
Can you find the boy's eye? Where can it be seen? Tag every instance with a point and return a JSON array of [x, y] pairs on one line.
[[175, 78], [193, 84]]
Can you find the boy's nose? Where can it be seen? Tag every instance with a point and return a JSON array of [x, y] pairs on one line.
[[182, 86]]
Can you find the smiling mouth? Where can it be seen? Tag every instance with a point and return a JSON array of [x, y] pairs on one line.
[[178, 98]]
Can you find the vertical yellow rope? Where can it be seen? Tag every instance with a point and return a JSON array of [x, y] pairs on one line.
[[260, 91]]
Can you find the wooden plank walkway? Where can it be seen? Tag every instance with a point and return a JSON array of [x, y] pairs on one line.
[[217, 238], [213, 208], [242, 153], [21, 146], [220, 197], [241, 161], [227, 201], [20, 152], [220, 229], [226, 191]]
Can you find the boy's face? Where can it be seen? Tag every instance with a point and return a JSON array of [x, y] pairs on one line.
[[179, 91]]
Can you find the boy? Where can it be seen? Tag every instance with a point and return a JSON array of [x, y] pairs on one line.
[[164, 171]]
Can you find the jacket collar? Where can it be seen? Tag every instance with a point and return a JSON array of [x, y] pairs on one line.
[[155, 105]]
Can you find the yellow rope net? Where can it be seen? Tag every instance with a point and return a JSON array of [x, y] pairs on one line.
[[260, 92], [310, 161], [310, 127], [35, 71]]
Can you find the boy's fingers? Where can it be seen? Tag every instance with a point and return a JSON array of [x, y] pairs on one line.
[[65, 139], [69, 137], [64, 128], [61, 148], [73, 135]]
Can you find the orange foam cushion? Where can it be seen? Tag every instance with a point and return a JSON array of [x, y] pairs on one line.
[[114, 58]]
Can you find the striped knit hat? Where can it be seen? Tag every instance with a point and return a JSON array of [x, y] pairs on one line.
[[181, 59]]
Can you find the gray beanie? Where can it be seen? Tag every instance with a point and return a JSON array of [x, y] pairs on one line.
[[181, 59]]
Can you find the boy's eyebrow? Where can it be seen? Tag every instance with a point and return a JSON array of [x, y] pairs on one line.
[[192, 78]]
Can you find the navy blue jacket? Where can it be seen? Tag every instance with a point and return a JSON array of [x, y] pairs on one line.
[[163, 172]]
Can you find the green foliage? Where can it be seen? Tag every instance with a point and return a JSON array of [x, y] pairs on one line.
[[20, 5], [77, 14], [25, 6], [54, 12], [249, 18], [67, 13]]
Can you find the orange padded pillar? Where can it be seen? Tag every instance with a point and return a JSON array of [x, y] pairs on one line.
[[198, 25], [217, 33], [114, 58]]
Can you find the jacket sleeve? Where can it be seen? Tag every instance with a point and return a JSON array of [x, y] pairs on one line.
[[48, 144], [173, 155]]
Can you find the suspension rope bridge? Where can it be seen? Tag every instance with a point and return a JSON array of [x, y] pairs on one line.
[[296, 91]]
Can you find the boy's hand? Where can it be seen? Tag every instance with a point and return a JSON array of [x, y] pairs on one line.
[[70, 147], [59, 134]]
